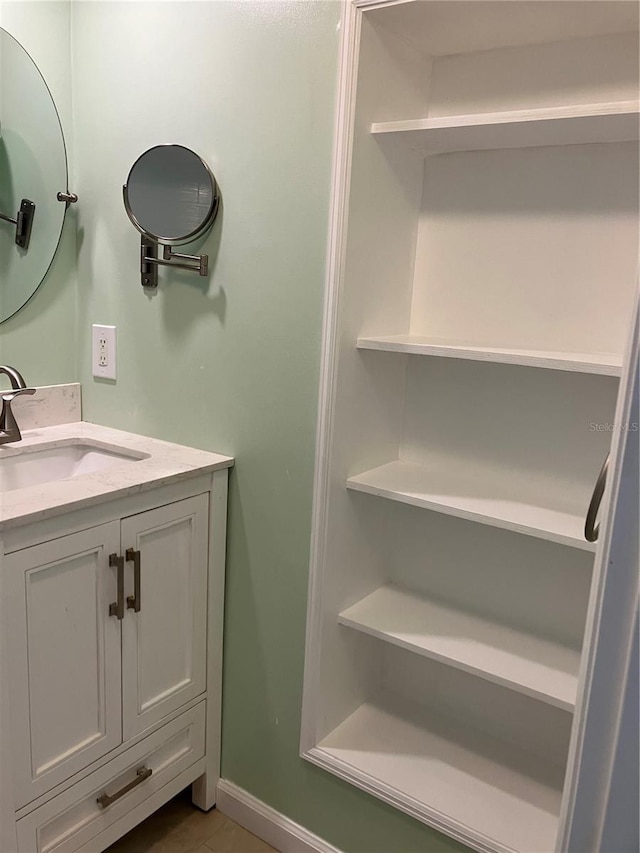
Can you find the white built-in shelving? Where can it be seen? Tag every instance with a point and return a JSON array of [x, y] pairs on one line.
[[604, 364], [454, 490], [485, 228], [525, 663], [564, 125]]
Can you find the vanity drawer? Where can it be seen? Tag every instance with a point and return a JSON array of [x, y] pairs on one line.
[[73, 818]]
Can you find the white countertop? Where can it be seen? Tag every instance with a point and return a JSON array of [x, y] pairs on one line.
[[163, 463]]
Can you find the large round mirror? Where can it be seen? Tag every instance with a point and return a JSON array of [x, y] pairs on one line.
[[33, 169], [171, 195]]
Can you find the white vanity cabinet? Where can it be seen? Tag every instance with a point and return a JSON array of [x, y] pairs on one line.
[[85, 677], [112, 661], [164, 643], [64, 657]]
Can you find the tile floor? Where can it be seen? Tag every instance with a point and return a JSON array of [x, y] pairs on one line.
[[178, 827]]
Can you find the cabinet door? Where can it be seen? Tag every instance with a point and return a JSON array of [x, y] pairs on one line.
[[64, 657], [164, 642]]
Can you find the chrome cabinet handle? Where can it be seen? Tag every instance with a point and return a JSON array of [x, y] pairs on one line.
[[591, 529], [117, 608], [142, 773], [133, 601]]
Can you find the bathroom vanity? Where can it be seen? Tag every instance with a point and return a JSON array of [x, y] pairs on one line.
[[112, 552]]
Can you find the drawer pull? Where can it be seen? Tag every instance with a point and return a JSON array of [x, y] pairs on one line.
[[117, 608], [142, 773], [133, 601]]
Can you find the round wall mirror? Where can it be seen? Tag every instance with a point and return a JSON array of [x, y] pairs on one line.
[[33, 168], [171, 195]]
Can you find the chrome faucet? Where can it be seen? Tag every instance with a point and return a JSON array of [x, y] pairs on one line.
[[9, 430]]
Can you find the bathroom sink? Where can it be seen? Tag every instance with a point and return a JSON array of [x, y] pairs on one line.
[[33, 467]]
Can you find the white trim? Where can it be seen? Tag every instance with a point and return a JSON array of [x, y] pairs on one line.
[[416, 809], [345, 113], [366, 5], [8, 837], [607, 643], [268, 824], [203, 791]]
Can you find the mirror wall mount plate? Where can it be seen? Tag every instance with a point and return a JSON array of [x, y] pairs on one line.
[[23, 221], [33, 168], [171, 198]]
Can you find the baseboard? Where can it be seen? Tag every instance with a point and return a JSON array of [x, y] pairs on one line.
[[271, 826]]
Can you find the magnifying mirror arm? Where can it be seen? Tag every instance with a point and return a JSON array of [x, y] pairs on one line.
[[149, 261], [201, 262]]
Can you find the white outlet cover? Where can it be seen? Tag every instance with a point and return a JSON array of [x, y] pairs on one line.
[[103, 340]]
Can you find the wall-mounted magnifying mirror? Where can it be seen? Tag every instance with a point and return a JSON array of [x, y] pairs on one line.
[[172, 198], [33, 177]]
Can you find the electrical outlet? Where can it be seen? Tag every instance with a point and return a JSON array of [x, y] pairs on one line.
[[103, 349]]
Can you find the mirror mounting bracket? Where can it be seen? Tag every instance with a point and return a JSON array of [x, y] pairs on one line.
[[148, 269], [149, 261], [23, 222], [67, 197]]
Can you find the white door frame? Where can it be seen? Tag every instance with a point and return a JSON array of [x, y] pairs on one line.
[[597, 745]]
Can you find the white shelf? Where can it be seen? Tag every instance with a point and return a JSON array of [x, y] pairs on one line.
[[513, 659], [476, 498], [487, 793], [571, 125], [604, 364]]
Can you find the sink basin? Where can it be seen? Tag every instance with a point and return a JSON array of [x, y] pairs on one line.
[[33, 467]]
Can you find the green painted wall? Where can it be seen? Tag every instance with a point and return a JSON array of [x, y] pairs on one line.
[[230, 363]]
